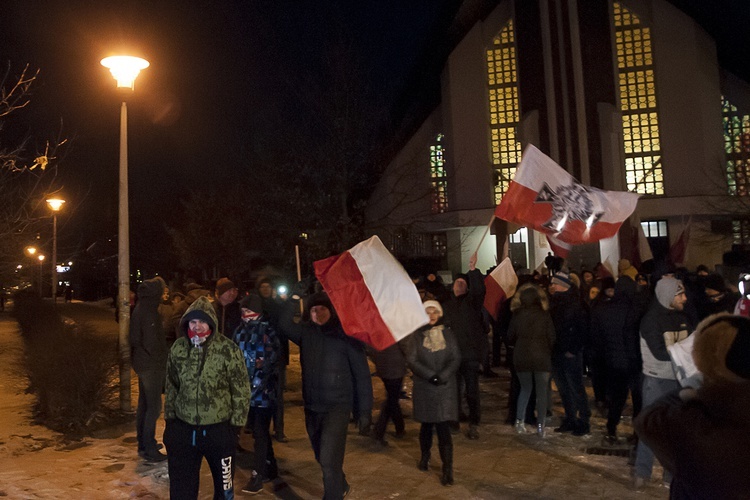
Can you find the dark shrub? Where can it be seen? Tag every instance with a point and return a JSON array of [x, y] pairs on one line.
[[71, 369]]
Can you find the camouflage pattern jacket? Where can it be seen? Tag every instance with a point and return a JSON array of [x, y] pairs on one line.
[[207, 384]]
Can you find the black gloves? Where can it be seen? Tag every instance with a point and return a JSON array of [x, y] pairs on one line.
[[435, 380]]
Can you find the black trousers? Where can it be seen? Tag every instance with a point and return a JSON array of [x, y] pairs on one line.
[[327, 433], [469, 373], [278, 416], [445, 440], [150, 385], [187, 445], [391, 408], [263, 449]]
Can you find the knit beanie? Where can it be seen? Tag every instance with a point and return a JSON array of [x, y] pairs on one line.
[[252, 302], [320, 299], [666, 290], [722, 348], [223, 285], [563, 279], [435, 304]]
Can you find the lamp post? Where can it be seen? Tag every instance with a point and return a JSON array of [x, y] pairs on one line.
[[55, 204], [41, 261], [124, 69], [31, 251]]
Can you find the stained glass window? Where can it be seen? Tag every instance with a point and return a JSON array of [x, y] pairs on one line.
[[438, 178], [736, 148]]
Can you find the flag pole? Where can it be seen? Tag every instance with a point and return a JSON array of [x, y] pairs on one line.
[[487, 230], [299, 277]]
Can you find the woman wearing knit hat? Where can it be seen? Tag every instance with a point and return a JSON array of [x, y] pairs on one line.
[[433, 356], [702, 435]]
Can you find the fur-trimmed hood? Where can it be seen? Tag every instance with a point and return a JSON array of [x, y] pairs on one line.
[[721, 348], [528, 295]]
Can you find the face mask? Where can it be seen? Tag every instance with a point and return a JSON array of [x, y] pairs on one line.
[[250, 316], [197, 338]]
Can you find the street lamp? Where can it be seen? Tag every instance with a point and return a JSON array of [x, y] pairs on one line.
[[55, 204], [124, 69], [41, 261]]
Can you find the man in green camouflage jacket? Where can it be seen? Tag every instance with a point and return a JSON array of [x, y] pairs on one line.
[[207, 402]]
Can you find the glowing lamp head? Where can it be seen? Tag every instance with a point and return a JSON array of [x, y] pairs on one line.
[[125, 69], [41, 258], [30, 250], [55, 204]]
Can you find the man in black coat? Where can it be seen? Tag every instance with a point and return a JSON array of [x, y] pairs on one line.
[[614, 328], [148, 348], [334, 366], [571, 329], [463, 314]]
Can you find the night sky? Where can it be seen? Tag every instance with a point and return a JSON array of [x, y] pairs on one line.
[[223, 86]]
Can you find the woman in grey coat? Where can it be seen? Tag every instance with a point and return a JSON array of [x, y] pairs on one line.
[[532, 332], [433, 356]]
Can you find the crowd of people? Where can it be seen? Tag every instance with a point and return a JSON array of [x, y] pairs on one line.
[[221, 358]]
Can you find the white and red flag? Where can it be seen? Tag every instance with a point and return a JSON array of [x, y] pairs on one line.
[[499, 285], [545, 197], [373, 295]]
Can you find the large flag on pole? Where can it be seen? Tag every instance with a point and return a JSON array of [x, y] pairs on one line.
[[499, 285], [543, 196], [373, 295]]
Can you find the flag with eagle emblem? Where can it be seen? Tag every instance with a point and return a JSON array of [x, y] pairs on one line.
[[545, 197]]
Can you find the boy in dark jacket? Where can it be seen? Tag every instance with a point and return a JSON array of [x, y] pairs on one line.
[[259, 344]]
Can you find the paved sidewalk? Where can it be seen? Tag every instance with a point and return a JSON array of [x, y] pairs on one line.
[[500, 465]]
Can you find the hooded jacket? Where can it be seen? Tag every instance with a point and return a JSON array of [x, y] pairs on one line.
[[660, 327], [207, 384], [148, 344], [531, 330]]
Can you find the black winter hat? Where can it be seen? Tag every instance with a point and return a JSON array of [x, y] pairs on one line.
[[252, 302], [320, 299]]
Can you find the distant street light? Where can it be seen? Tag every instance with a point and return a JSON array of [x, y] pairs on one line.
[[41, 261], [55, 204], [124, 69]]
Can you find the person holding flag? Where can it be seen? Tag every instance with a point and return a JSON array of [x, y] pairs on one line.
[[334, 365]]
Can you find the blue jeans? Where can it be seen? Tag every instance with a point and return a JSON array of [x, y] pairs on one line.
[[569, 379], [653, 389], [529, 381]]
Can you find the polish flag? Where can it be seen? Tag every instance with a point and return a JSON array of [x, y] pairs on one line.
[[678, 250], [543, 196], [499, 285], [373, 295]]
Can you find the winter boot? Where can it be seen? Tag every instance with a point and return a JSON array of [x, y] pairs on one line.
[[446, 455], [520, 426], [425, 445], [541, 430]]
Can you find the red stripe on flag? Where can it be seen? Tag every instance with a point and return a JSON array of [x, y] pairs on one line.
[[493, 297], [519, 206], [355, 307]]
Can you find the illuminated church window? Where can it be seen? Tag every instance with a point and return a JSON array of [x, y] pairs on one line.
[[736, 148], [640, 119], [438, 178], [505, 149]]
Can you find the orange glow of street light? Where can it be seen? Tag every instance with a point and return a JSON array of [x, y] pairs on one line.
[[30, 250], [41, 258], [55, 204], [125, 69]]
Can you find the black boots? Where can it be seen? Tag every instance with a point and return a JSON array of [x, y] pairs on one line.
[[424, 462], [446, 455]]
